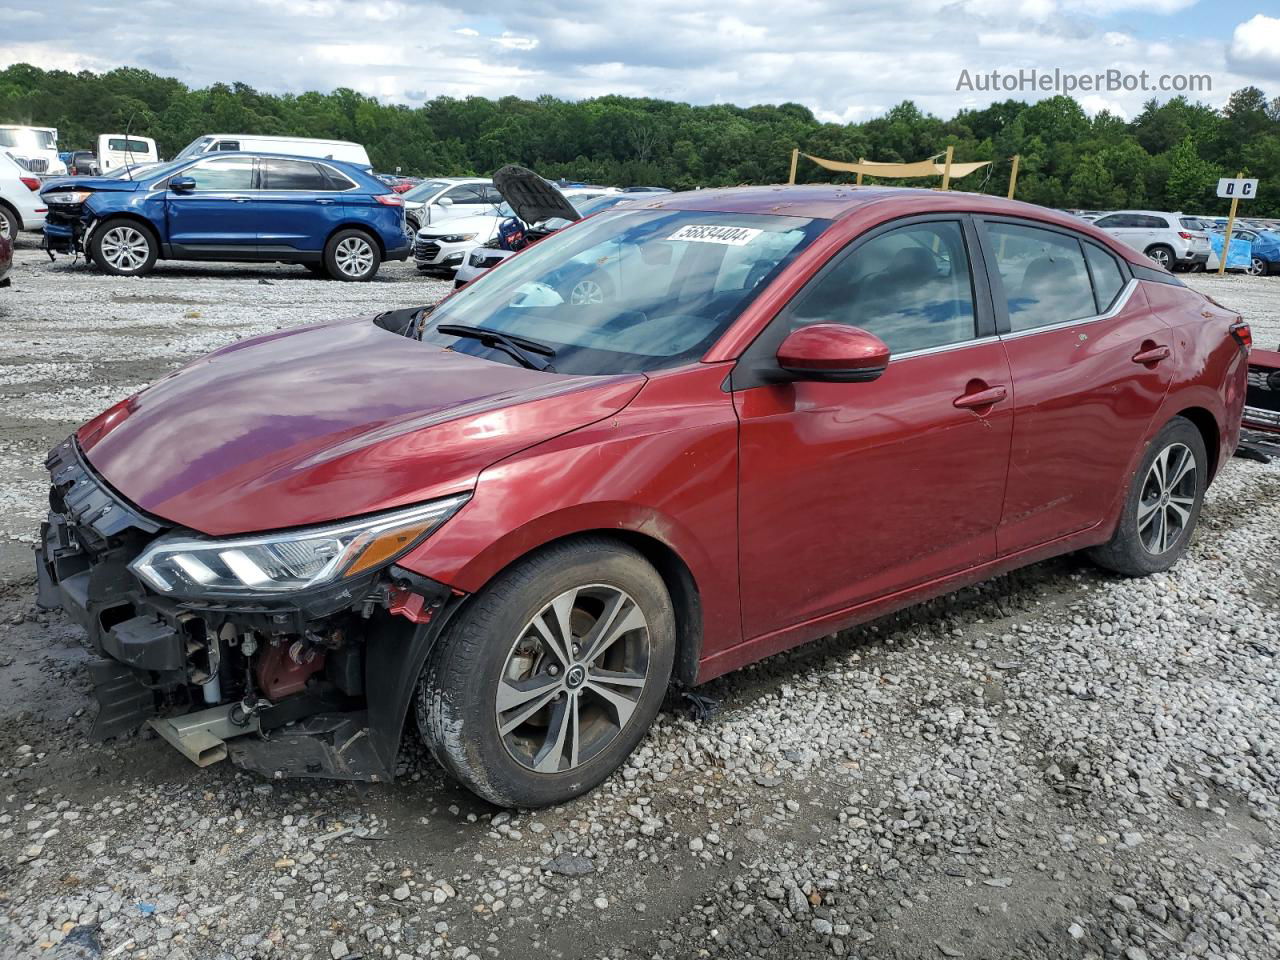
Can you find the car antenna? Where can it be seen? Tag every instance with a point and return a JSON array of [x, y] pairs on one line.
[[128, 128]]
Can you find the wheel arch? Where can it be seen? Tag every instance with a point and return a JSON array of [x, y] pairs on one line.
[[137, 218], [677, 577], [363, 228], [1207, 424], [14, 211]]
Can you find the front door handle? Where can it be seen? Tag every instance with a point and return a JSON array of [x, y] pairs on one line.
[[323, 200], [239, 199], [1151, 355], [981, 398]]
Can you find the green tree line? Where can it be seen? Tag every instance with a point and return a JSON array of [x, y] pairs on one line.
[[1169, 157]]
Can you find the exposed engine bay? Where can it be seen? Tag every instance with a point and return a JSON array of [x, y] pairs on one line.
[[311, 683]]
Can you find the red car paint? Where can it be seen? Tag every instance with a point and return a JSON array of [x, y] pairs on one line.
[[796, 509], [6, 260]]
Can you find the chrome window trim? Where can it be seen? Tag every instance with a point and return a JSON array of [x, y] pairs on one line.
[[943, 348], [1115, 308]]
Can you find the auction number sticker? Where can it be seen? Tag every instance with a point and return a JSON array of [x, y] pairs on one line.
[[714, 233]]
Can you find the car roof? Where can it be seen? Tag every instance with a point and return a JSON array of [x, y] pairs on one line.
[[345, 164], [837, 201], [1149, 213], [870, 204]]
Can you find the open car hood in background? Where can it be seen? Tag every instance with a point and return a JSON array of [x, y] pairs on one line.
[[531, 197]]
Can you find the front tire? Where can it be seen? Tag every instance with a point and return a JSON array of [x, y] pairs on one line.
[[352, 255], [124, 248], [1257, 267], [551, 675], [1162, 506]]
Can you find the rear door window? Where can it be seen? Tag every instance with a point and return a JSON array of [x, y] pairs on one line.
[[293, 175], [1043, 274]]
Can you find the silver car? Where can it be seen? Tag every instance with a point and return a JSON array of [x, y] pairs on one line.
[[1173, 240]]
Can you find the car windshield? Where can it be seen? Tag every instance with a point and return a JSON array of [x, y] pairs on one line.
[[628, 290], [26, 138], [150, 171], [424, 191]]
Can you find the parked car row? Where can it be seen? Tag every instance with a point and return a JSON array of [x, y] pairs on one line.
[[1178, 241]]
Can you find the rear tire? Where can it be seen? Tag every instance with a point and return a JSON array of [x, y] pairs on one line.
[[352, 255], [513, 703], [1161, 254], [1162, 505], [124, 248], [1257, 267], [9, 221]]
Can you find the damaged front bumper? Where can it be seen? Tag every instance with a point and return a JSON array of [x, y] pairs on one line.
[[309, 684]]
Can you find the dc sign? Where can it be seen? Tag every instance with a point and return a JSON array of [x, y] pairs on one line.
[[1237, 188]]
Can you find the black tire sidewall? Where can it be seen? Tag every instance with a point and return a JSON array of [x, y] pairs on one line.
[[330, 255], [1125, 553], [94, 252], [10, 215], [455, 703]]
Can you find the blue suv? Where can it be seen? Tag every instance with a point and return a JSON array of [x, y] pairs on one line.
[[333, 217]]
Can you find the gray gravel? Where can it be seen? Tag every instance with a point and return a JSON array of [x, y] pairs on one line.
[[1057, 763]]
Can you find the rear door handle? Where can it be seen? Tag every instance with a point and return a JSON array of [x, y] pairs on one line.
[[981, 398], [239, 199], [1152, 355], [323, 200]]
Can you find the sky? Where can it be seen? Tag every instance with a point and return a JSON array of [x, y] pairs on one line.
[[847, 61]]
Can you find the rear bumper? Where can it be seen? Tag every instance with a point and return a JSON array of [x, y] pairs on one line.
[[400, 253]]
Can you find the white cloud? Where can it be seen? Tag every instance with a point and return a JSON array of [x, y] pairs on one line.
[[844, 61], [1255, 45]]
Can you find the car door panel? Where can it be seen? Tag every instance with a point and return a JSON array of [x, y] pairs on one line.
[[860, 490], [219, 214], [1084, 400], [297, 209]]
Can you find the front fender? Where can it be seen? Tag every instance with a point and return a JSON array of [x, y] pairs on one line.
[[664, 468]]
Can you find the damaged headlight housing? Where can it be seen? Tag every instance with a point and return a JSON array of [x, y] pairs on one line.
[[290, 561]]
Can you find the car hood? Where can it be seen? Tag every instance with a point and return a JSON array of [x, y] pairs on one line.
[[481, 224], [92, 183], [531, 197], [327, 422]]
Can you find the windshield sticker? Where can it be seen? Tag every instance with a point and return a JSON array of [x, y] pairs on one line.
[[713, 233]]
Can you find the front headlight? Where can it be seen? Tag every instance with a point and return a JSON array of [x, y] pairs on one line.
[[68, 196], [289, 561], [457, 238]]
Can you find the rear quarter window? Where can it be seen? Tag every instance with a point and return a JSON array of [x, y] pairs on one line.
[[1044, 276], [1108, 279]]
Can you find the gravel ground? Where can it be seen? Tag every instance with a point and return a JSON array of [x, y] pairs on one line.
[[1057, 763]]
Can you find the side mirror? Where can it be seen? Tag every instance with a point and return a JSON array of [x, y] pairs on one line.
[[444, 202], [834, 353], [182, 184]]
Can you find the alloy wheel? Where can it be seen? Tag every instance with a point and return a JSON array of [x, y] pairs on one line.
[[125, 248], [6, 225], [1161, 256], [1257, 267], [1168, 499], [354, 256], [573, 678], [586, 292]]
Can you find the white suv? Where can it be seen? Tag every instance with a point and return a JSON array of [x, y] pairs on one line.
[[20, 205], [1172, 240]]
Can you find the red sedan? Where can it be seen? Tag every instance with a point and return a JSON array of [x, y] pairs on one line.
[[524, 513]]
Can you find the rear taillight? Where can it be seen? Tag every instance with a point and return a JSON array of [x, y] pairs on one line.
[[1184, 235], [1242, 335], [389, 199], [32, 183]]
